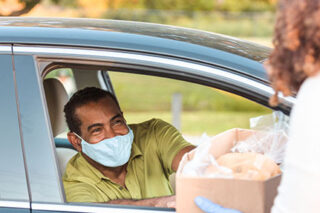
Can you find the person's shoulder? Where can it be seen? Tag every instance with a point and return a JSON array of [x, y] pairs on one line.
[[306, 107], [74, 161], [149, 123], [310, 85], [72, 165], [76, 169], [309, 91]]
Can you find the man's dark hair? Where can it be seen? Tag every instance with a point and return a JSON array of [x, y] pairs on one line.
[[80, 98]]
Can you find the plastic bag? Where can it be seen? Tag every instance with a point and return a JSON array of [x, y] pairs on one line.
[[270, 137], [202, 161]]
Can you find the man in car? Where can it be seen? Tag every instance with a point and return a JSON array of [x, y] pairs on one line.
[[119, 163]]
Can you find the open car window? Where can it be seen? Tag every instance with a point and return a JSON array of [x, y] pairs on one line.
[[193, 109]]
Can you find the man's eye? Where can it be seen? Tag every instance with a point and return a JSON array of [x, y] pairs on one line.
[[117, 122], [96, 130]]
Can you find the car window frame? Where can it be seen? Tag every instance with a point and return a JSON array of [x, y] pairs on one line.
[[149, 64]]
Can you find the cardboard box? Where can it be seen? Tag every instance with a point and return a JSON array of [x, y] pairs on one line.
[[248, 196]]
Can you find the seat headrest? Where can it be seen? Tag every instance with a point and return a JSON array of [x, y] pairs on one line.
[[56, 97]]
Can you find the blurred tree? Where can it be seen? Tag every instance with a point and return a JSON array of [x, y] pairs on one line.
[[19, 7], [179, 4], [92, 8], [16, 7], [95, 8], [245, 5], [206, 5], [65, 3]]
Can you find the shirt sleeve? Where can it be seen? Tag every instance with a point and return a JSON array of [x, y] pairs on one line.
[[299, 190], [169, 143], [81, 192]]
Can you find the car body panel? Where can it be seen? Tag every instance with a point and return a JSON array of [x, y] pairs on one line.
[[44, 177], [13, 181], [9, 206], [142, 37], [90, 207], [13, 210]]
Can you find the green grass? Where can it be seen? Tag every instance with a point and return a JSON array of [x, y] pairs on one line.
[[204, 109], [196, 123], [140, 93], [237, 25]]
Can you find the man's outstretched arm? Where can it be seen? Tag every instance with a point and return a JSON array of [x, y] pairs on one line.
[[178, 157], [165, 202]]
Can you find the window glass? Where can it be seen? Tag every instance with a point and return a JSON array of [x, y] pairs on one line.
[[71, 79], [203, 109], [65, 76]]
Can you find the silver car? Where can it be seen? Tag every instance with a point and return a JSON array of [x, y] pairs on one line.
[[31, 155]]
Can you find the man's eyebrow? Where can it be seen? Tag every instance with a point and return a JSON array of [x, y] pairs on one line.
[[94, 125], [116, 116]]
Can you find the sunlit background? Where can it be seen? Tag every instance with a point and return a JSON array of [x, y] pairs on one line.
[[203, 109], [248, 19]]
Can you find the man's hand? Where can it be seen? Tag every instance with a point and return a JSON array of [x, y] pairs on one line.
[[166, 202], [163, 202]]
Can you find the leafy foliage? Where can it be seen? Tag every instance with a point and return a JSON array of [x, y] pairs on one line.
[[24, 6], [16, 7], [187, 5]]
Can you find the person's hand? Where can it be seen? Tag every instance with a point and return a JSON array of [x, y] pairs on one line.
[[209, 207]]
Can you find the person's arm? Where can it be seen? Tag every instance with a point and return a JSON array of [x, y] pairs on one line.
[[171, 146], [178, 157], [81, 192], [164, 202]]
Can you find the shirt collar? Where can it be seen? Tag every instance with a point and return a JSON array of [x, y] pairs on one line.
[[135, 152], [95, 171]]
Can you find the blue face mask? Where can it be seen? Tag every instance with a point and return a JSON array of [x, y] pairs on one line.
[[111, 152]]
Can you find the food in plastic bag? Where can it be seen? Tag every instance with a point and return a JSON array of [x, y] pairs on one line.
[[202, 161], [256, 151], [251, 166], [270, 138]]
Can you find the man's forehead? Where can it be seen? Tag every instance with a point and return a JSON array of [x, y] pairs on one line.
[[104, 106]]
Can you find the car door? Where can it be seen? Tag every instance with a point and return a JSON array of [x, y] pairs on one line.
[[32, 63], [14, 195], [44, 177]]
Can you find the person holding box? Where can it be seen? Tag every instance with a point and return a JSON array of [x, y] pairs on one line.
[[294, 67]]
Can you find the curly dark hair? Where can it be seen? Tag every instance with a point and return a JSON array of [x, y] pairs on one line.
[[296, 41], [80, 98]]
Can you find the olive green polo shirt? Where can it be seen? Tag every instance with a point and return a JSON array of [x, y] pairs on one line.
[[155, 145]]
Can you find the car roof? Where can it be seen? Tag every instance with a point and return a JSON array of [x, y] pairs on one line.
[[197, 45]]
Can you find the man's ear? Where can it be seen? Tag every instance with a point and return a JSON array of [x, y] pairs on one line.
[[75, 141]]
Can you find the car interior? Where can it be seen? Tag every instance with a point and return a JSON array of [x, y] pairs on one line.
[[57, 96]]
